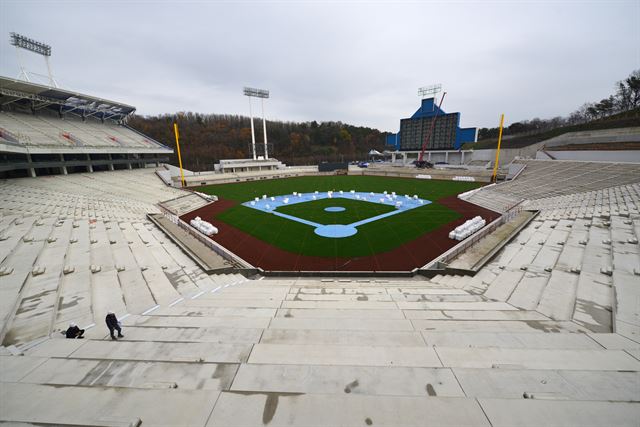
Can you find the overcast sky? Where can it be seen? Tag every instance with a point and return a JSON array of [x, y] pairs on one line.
[[360, 62]]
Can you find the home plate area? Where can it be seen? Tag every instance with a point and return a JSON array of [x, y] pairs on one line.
[[396, 204]]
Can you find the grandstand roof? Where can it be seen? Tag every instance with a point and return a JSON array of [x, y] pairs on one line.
[[15, 90]]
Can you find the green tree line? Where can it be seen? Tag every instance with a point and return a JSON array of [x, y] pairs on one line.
[[625, 98], [207, 138]]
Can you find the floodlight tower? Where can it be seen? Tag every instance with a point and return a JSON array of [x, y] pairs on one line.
[[262, 94], [22, 42], [430, 92]]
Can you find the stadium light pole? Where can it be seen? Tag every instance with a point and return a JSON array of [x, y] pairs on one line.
[[253, 132], [429, 91], [39, 48], [257, 93], [264, 129]]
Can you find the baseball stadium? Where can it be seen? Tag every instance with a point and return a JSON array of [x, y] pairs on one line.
[[498, 289]]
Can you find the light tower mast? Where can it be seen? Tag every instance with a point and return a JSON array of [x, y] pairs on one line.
[[262, 94], [429, 92], [22, 42]]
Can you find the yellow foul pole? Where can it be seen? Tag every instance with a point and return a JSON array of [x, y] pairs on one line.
[[495, 166], [175, 130]]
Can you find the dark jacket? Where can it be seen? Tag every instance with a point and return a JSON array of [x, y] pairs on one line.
[[112, 320], [73, 332]]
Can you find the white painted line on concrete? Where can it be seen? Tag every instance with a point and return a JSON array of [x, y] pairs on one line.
[[197, 295], [215, 289], [120, 319], [150, 310], [176, 301]]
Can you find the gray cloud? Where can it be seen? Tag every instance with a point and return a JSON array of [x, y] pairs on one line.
[[358, 62]]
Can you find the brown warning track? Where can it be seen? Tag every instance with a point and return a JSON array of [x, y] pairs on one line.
[[415, 253]]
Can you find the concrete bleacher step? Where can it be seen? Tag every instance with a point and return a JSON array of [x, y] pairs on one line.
[[107, 293], [173, 261], [529, 290], [242, 409], [341, 380], [558, 299], [501, 325], [626, 274], [562, 384], [137, 294], [96, 406], [20, 265], [129, 374], [151, 270], [38, 299], [75, 297], [594, 295], [11, 232]]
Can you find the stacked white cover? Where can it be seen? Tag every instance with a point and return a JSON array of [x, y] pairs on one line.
[[468, 228], [204, 227], [208, 197]]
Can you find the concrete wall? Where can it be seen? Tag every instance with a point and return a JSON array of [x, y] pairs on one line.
[[589, 137], [624, 156], [507, 154], [596, 137], [452, 157]]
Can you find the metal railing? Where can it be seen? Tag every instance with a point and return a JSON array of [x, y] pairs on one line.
[[209, 243], [474, 238]]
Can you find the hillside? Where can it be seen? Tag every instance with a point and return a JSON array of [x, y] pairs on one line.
[[207, 138], [620, 120]]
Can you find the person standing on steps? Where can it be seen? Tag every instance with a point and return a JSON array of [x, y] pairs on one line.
[[113, 324]]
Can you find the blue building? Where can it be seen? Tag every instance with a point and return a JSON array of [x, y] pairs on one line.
[[447, 134]]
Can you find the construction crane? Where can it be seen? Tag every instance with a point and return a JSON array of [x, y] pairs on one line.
[[421, 163]]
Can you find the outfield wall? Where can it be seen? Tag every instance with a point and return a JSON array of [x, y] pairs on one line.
[[197, 180], [412, 172]]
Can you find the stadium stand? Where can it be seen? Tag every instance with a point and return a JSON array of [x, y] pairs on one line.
[[546, 333], [45, 130], [72, 256], [365, 347], [193, 179], [548, 178], [530, 337], [124, 195], [410, 171], [622, 201], [50, 132]]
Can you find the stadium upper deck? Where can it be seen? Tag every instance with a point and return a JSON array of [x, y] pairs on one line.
[[46, 130]]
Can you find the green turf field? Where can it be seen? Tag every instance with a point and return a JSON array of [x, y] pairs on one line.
[[375, 237], [355, 210]]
